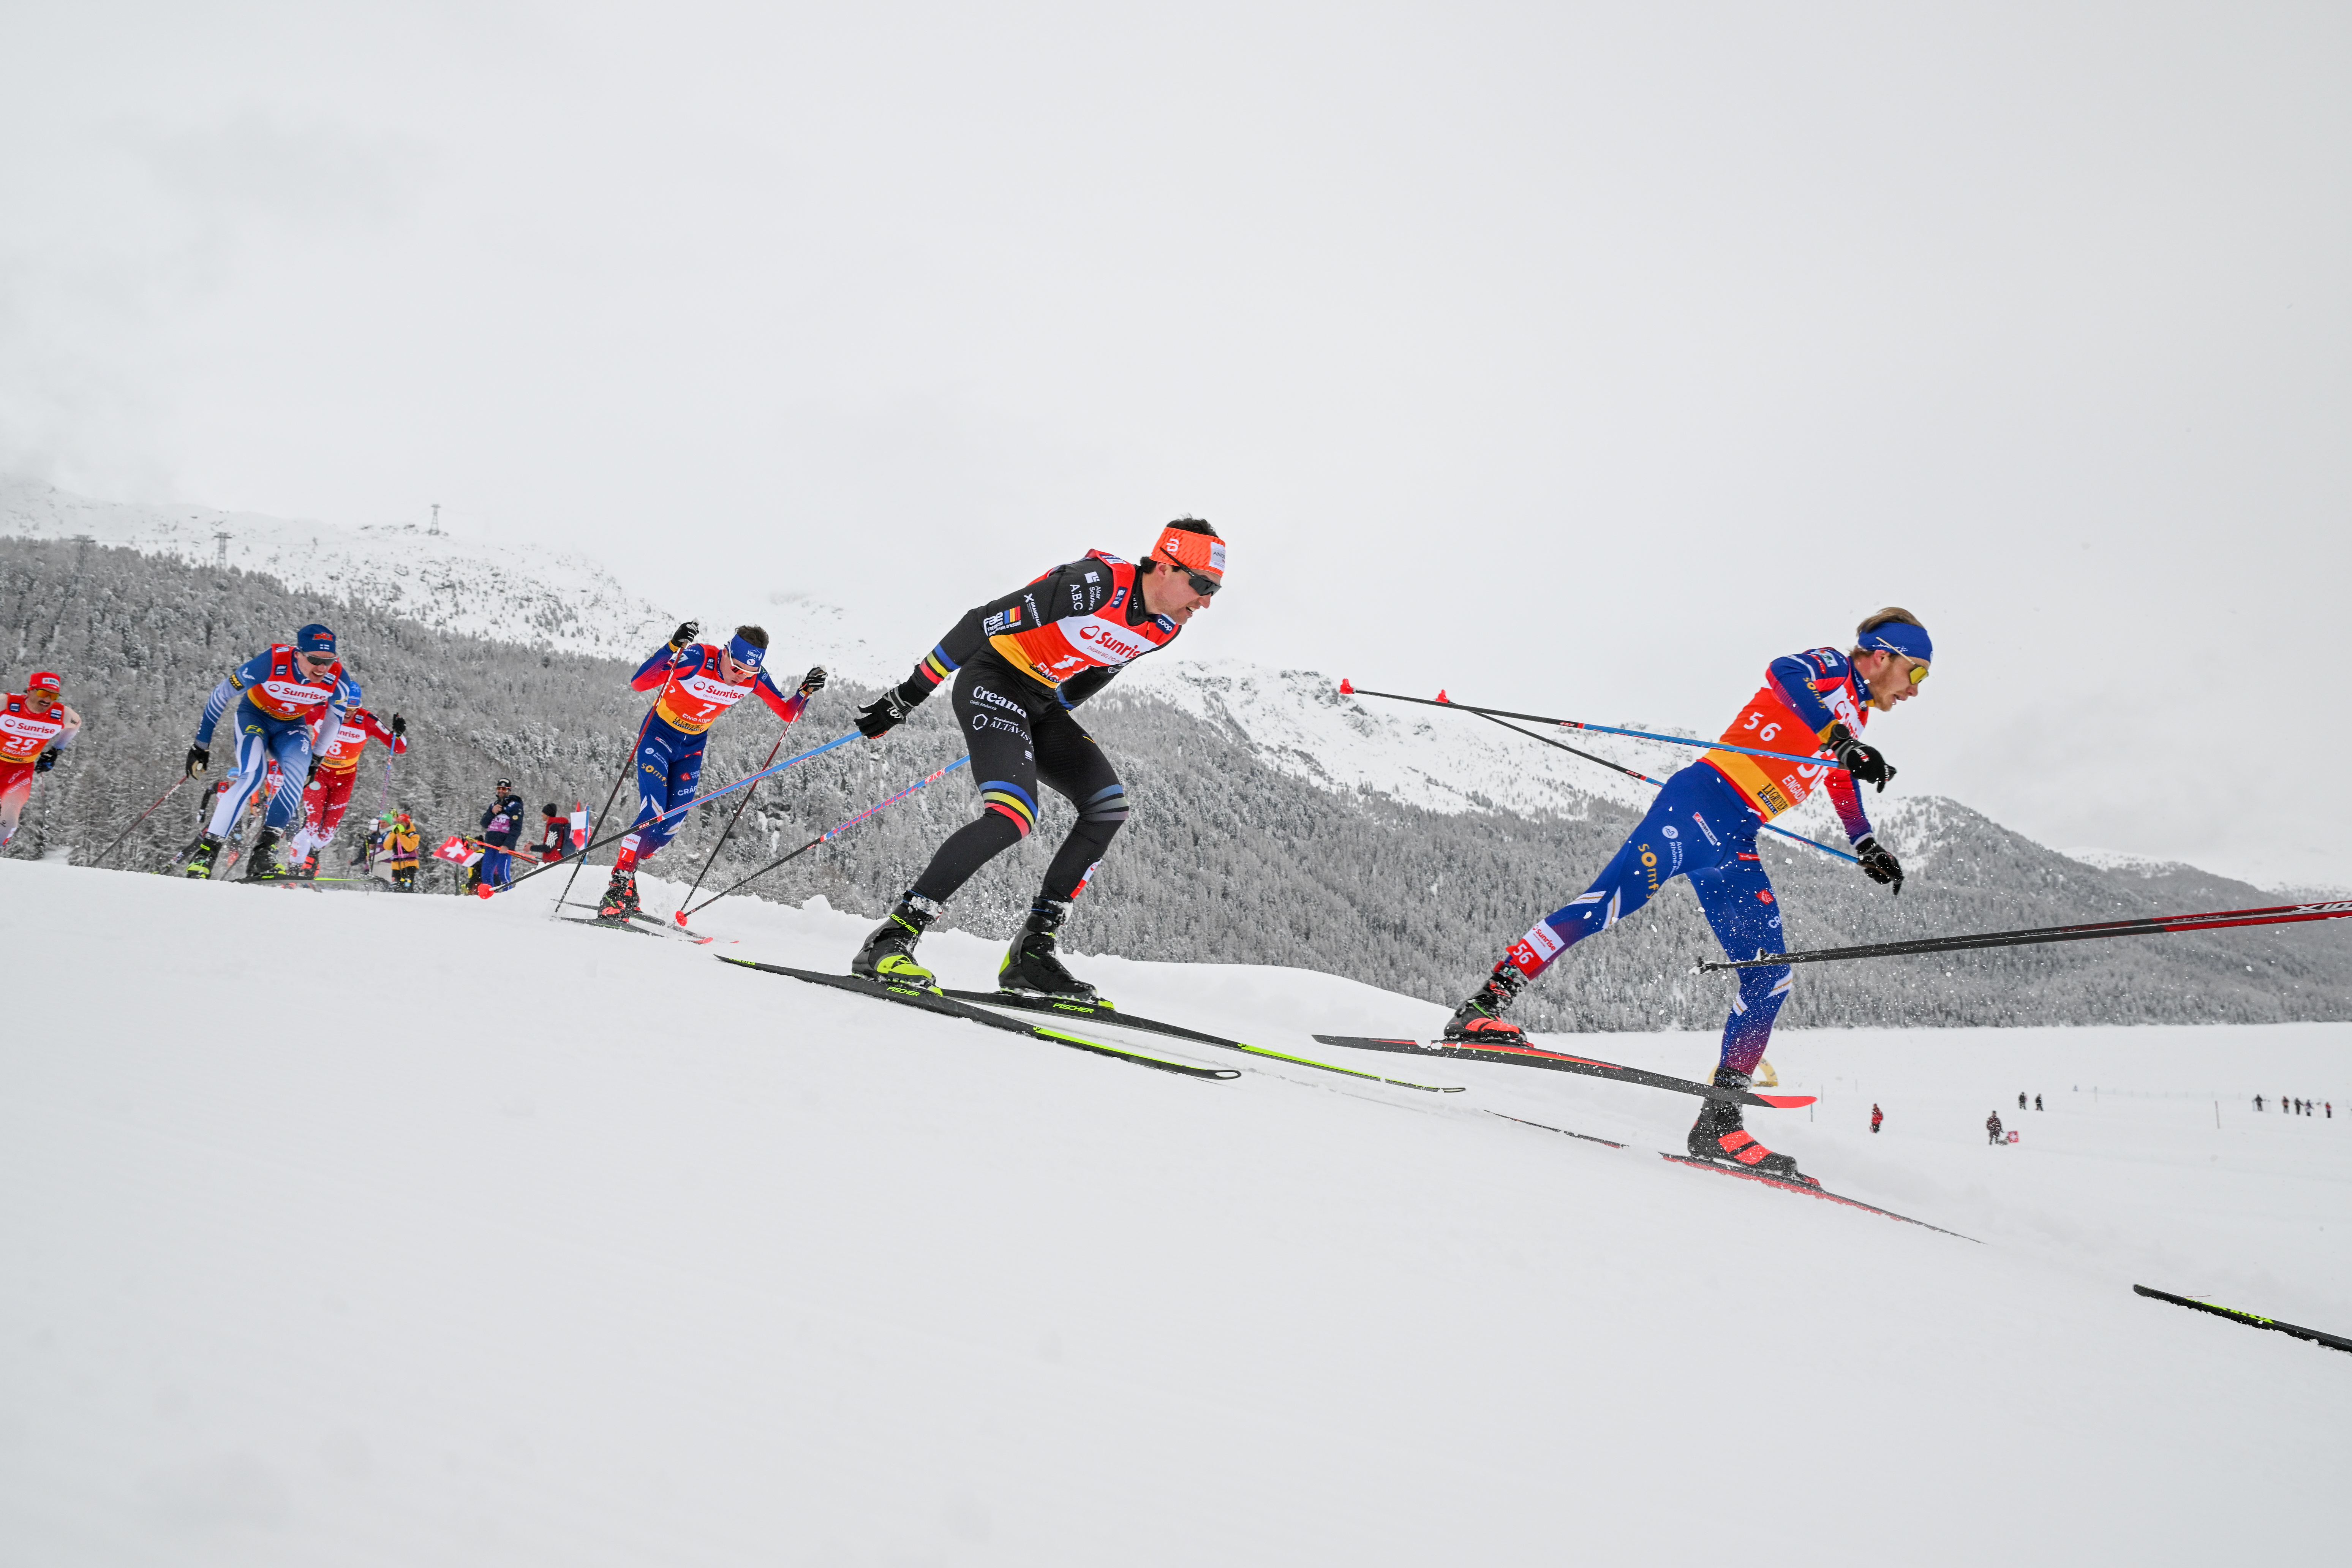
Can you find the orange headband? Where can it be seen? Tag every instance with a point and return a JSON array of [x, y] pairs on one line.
[[1200, 551]]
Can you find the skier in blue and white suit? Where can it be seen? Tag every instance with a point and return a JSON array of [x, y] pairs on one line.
[[286, 696]]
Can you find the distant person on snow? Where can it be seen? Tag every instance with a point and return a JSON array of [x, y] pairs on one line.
[[35, 726], [2037, 1102], [1877, 1116], [333, 772], [554, 835], [1020, 664], [1993, 1127], [2258, 1102], [698, 683], [501, 831], [1702, 826], [2020, 1100], [286, 696]]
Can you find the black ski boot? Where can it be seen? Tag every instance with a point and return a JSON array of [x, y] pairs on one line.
[[1031, 967], [1479, 1021], [200, 862], [620, 900], [889, 953], [263, 867], [1717, 1135]]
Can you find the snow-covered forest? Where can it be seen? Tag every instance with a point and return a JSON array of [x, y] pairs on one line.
[[1229, 859]]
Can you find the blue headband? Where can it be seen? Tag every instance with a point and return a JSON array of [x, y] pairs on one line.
[[745, 654], [1904, 637], [315, 638]]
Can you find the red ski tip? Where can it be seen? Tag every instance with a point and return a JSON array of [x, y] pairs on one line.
[[1788, 1103], [1442, 696], [1347, 687]]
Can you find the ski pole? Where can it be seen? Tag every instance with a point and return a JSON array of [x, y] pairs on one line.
[[140, 819], [2251, 1319], [1655, 784], [1442, 700], [740, 807], [829, 835], [2149, 925], [628, 757], [673, 811]]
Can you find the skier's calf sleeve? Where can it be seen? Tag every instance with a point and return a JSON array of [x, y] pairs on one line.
[[967, 850]]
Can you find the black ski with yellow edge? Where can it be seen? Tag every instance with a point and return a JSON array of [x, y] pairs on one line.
[[1105, 1012], [946, 1006]]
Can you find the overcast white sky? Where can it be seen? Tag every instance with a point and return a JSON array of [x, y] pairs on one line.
[[1576, 358]]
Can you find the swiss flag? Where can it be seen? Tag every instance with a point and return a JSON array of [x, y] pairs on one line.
[[458, 850], [579, 825]]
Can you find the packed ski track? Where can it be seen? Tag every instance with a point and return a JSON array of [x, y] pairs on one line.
[[456, 1248]]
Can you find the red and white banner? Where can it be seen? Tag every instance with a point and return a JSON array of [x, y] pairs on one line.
[[458, 850], [580, 825]]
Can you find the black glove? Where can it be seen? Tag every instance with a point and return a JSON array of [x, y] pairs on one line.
[[1864, 763], [1878, 862], [399, 725], [887, 713], [313, 772], [47, 761], [199, 759], [686, 632], [814, 681]]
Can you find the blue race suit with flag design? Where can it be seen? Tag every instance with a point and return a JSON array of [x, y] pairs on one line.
[[280, 706], [695, 691], [1702, 826]]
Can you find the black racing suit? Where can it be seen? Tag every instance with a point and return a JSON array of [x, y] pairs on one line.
[[1021, 731]]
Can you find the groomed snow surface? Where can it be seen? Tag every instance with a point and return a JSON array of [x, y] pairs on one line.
[[353, 1228]]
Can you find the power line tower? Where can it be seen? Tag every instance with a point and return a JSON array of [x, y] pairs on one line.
[[220, 541], [436, 529]]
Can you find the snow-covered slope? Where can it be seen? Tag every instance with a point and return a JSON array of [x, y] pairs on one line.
[[564, 1246], [548, 599]]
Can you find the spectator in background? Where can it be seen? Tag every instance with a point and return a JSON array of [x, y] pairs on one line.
[[1877, 1116], [2258, 1102], [554, 834], [1993, 1127], [403, 843], [2037, 1102], [2020, 1100], [501, 830]]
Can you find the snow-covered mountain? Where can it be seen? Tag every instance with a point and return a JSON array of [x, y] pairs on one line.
[[1295, 720], [544, 600]]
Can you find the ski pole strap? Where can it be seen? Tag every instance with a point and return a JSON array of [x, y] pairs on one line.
[[744, 783], [2151, 925], [1350, 690], [1657, 783]]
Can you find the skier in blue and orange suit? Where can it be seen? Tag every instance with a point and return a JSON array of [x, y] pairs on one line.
[[287, 697], [699, 681], [1702, 826]]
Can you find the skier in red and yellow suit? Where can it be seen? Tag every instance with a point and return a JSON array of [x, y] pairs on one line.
[[1702, 826], [698, 683], [329, 794], [1020, 664], [35, 726]]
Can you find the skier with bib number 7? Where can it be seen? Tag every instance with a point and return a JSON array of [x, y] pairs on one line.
[[1020, 664], [698, 683], [1702, 826]]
